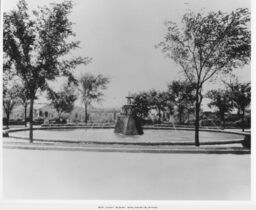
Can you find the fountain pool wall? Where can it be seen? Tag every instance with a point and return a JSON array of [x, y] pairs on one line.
[[151, 136]]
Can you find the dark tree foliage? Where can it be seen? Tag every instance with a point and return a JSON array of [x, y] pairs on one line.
[[184, 96], [62, 101], [222, 101], [23, 98], [141, 105], [240, 94], [158, 100], [10, 100], [37, 46], [168, 102], [208, 44], [144, 102]]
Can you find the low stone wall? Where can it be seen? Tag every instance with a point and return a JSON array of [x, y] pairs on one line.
[[247, 141]]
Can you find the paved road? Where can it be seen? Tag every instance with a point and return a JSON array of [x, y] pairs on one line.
[[45, 174]]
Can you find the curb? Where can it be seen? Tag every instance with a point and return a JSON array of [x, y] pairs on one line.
[[237, 152], [112, 148]]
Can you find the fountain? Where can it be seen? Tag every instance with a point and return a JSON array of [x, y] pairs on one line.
[[127, 122]]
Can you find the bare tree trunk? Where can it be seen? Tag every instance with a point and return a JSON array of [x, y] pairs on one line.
[[223, 121], [243, 113], [197, 119], [31, 120], [59, 115], [85, 112], [180, 114], [180, 117], [159, 116], [25, 115], [188, 116], [7, 119]]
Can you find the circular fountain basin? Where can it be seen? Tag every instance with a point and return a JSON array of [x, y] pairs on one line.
[[87, 135]]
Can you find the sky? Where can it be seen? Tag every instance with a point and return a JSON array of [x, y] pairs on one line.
[[120, 35]]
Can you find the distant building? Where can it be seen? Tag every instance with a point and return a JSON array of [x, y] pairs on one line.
[[42, 110]]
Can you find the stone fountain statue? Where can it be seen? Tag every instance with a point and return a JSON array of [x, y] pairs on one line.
[[127, 122]]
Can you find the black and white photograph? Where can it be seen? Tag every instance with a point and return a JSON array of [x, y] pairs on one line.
[[126, 100]]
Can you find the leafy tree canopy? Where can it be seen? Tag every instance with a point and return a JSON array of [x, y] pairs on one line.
[[182, 91], [207, 44], [63, 101], [37, 46], [91, 87], [10, 99], [240, 93], [221, 100]]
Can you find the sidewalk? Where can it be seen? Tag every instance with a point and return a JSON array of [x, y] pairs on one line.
[[46, 174]]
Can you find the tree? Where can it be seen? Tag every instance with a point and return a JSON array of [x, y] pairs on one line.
[[169, 103], [166, 103], [141, 105], [23, 99], [222, 101], [146, 101], [184, 96], [190, 98], [10, 80], [207, 45], [241, 96], [91, 89], [38, 46], [158, 101], [9, 102], [62, 101]]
